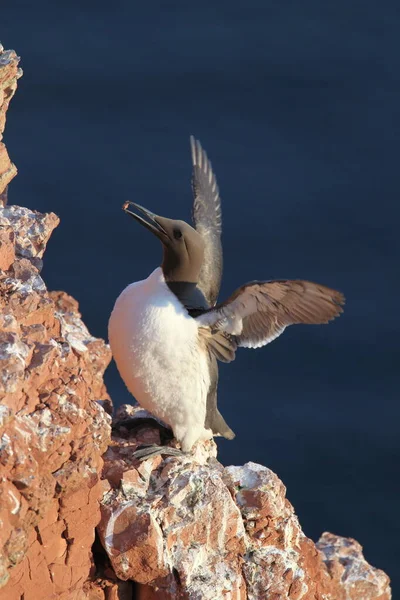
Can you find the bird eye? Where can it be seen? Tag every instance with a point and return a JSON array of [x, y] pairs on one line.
[[177, 234]]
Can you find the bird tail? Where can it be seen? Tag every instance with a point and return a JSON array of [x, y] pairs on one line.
[[220, 427]]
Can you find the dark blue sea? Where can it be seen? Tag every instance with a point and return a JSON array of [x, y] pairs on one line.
[[298, 107]]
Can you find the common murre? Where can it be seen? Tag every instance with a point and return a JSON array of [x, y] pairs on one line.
[[167, 332]]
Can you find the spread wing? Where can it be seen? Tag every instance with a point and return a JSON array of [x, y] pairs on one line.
[[259, 312], [207, 220]]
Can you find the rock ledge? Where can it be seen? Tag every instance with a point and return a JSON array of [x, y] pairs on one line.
[[189, 528]]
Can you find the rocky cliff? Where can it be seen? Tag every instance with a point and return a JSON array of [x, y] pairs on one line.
[[52, 431], [179, 527]]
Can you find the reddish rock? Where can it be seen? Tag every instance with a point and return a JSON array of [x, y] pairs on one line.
[[189, 528], [107, 589], [7, 169], [7, 248], [52, 431], [9, 73], [351, 575]]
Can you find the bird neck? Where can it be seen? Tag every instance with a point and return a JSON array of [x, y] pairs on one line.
[[178, 267], [188, 294]]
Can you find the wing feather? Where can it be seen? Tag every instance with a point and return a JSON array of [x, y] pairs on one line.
[[207, 219]]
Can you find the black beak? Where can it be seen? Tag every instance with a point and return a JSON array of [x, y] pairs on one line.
[[150, 222]]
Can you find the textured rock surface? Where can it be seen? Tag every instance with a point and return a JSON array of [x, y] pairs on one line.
[[52, 432], [9, 73], [351, 575], [189, 528]]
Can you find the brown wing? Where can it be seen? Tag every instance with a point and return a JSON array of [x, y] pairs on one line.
[[259, 312], [222, 345], [207, 220]]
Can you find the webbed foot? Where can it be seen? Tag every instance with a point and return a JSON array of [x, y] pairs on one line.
[[152, 450]]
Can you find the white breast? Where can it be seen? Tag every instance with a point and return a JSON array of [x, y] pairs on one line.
[[154, 342]]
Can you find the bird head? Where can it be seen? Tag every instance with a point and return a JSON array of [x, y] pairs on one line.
[[183, 246]]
